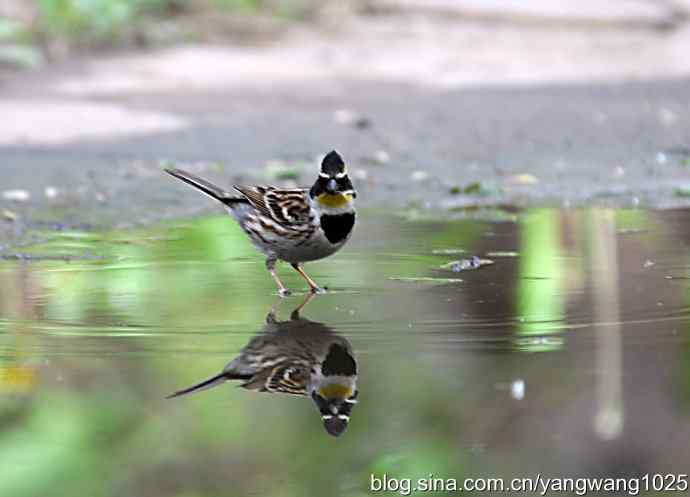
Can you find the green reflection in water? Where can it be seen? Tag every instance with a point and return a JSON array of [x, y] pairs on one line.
[[90, 347], [539, 301]]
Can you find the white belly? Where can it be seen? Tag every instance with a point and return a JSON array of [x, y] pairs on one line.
[[292, 251], [318, 247]]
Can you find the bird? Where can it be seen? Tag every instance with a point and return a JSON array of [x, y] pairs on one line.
[[299, 357], [295, 225]]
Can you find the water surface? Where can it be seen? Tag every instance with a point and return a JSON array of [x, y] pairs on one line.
[[568, 356]]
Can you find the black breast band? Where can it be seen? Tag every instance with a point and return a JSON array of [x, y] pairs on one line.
[[338, 227]]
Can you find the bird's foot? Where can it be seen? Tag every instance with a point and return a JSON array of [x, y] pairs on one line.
[[318, 290], [284, 292]]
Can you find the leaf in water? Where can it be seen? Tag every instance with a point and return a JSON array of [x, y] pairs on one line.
[[465, 264], [425, 279], [524, 179], [449, 251], [481, 189], [503, 254]]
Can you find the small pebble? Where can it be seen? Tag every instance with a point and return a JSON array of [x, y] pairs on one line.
[[600, 118], [16, 195], [348, 117], [517, 389], [419, 176], [667, 117], [382, 157], [8, 215], [647, 264], [360, 174], [524, 179], [50, 192]]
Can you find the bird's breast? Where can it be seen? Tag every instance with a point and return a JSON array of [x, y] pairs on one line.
[[337, 227]]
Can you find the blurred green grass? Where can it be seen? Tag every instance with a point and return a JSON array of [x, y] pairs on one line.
[[51, 27], [95, 19]]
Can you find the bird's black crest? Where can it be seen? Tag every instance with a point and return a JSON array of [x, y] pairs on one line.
[[335, 426], [337, 227], [332, 164]]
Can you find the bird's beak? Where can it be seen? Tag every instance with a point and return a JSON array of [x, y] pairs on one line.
[[331, 187]]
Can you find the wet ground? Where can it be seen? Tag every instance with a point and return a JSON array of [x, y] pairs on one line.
[[568, 356], [430, 111]]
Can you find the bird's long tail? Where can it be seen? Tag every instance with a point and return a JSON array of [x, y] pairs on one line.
[[207, 187], [204, 385]]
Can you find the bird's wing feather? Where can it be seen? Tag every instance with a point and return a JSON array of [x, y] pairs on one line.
[[284, 206], [284, 378]]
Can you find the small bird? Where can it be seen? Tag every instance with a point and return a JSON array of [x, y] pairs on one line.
[[291, 224], [299, 357]]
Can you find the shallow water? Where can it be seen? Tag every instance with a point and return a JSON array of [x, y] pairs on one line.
[[568, 356]]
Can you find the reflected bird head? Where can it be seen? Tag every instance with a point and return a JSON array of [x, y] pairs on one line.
[[335, 411]]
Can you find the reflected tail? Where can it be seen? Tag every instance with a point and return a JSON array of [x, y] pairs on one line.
[[212, 382]]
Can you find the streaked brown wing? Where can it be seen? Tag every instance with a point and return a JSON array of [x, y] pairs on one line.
[[255, 195], [287, 207], [290, 378]]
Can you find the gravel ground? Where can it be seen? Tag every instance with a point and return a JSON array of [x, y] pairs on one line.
[[430, 112]]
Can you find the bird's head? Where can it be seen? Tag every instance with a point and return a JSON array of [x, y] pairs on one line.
[[333, 189], [335, 403], [336, 393]]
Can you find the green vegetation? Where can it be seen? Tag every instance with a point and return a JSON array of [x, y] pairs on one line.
[[100, 23], [94, 19]]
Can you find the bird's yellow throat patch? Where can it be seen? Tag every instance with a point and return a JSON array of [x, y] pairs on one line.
[[334, 201], [334, 390]]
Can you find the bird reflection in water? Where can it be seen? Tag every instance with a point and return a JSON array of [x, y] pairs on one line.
[[299, 357]]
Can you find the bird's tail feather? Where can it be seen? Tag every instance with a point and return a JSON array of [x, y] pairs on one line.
[[207, 187], [204, 385]]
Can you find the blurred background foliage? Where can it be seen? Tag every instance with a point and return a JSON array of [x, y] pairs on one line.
[[33, 30]]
